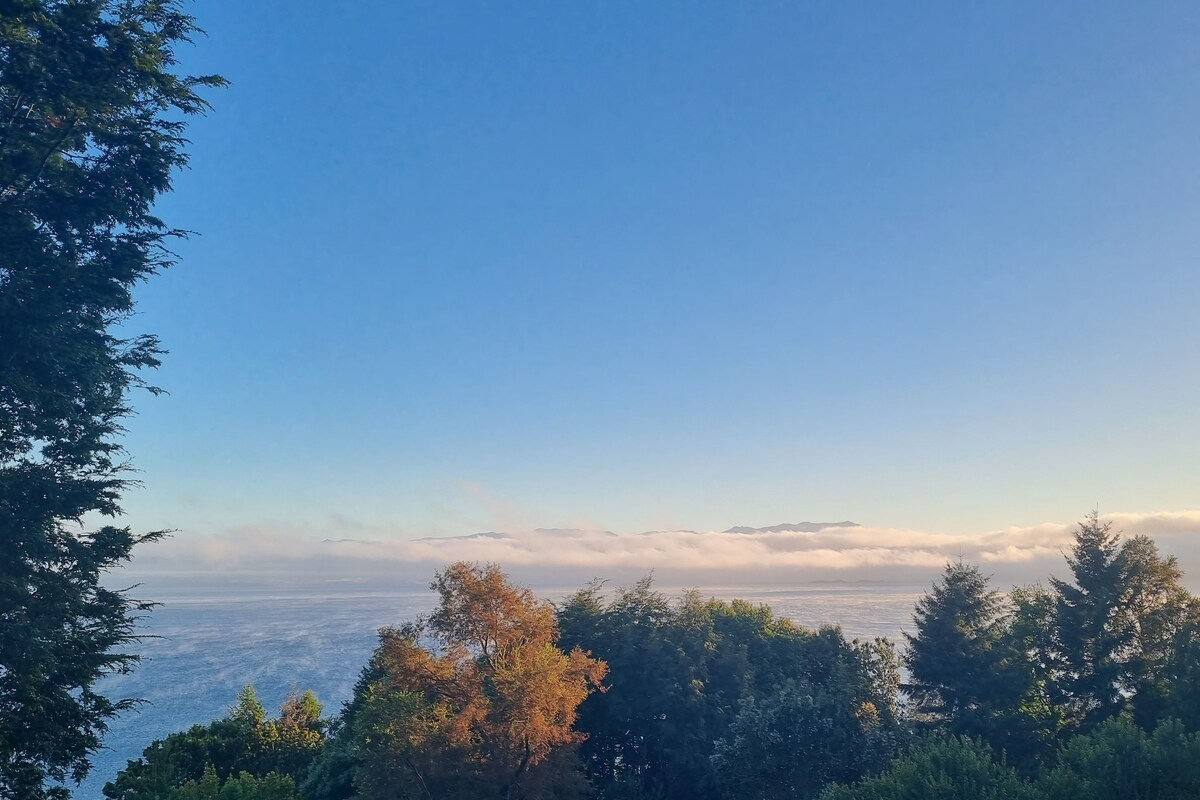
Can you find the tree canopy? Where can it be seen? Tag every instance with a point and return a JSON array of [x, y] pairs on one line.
[[246, 749], [702, 691], [631, 694]]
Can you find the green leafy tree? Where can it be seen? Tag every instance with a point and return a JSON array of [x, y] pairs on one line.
[[797, 741], [272, 786], [248, 710], [681, 673], [245, 742], [91, 130], [244, 786], [207, 788], [941, 768], [302, 711], [1119, 760], [1180, 693]]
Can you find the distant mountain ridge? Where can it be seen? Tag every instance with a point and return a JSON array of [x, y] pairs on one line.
[[566, 533], [795, 527], [467, 536], [582, 533], [579, 533]]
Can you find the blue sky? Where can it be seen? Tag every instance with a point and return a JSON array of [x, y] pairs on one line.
[[650, 266]]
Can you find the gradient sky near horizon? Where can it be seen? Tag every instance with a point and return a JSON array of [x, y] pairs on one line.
[[474, 266]]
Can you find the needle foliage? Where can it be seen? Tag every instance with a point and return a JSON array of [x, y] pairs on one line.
[[92, 121]]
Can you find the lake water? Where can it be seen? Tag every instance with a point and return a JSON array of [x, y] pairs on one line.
[[213, 635]]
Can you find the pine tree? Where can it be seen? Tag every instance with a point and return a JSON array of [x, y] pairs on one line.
[[1117, 625], [954, 655], [1092, 642], [971, 674]]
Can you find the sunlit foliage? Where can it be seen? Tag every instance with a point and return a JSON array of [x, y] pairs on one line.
[[477, 700], [246, 749]]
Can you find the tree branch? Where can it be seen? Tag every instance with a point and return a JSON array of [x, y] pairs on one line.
[[417, 772], [5, 195]]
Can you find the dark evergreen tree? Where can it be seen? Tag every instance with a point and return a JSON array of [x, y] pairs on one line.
[[1033, 728], [1092, 643], [331, 775], [1159, 612], [645, 731], [958, 650], [91, 129], [970, 673], [1116, 626]]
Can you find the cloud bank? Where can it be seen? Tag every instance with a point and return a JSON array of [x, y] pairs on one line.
[[828, 550]]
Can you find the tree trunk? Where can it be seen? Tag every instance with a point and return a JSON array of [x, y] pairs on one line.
[[506, 792]]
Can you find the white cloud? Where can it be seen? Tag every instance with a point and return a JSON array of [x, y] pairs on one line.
[[834, 552]]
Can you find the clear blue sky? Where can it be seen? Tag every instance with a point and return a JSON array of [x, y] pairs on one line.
[[653, 265]]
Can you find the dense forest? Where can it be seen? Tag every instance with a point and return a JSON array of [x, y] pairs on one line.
[[1081, 688]]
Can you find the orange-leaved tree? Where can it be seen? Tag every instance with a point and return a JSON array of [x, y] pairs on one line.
[[476, 700]]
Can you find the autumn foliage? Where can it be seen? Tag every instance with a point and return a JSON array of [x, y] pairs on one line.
[[475, 701]]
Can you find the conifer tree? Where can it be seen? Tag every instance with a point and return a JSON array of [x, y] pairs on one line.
[[1117, 625], [957, 649], [91, 130], [1092, 642], [970, 672]]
